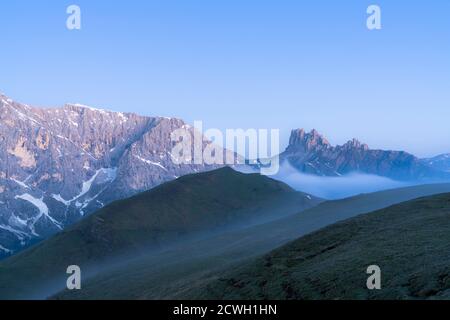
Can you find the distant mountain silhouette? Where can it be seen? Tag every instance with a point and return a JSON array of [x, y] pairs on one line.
[[441, 162], [312, 153]]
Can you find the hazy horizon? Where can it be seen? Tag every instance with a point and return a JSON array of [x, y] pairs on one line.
[[284, 144]]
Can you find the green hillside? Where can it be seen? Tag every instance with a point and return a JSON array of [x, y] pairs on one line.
[[192, 206], [410, 242], [171, 274]]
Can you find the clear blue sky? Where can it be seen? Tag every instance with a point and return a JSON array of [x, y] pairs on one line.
[[243, 64]]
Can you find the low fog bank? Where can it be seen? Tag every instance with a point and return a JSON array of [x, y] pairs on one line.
[[336, 187], [333, 188]]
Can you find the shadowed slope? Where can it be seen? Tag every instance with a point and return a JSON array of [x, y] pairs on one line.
[[173, 273], [410, 242], [191, 206]]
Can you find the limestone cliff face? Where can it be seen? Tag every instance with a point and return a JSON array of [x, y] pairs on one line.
[[57, 165], [311, 153]]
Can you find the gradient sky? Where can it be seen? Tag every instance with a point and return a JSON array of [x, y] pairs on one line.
[[243, 64]]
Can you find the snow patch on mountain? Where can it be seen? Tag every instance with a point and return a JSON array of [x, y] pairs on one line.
[[43, 211], [21, 183], [19, 234], [158, 164], [5, 250], [110, 175], [59, 198]]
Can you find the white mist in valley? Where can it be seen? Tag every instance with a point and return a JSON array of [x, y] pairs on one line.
[[336, 187]]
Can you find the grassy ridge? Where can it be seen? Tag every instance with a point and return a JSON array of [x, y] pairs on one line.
[[174, 273], [410, 242], [173, 212]]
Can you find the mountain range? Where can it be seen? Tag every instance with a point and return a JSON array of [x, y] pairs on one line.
[[441, 162], [58, 165], [311, 153]]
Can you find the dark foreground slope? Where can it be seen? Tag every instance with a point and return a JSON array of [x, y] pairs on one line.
[[410, 242], [173, 273], [191, 206]]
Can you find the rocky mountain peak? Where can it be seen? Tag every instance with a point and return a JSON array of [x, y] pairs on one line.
[[303, 141], [311, 153], [355, 144], [59, 164]]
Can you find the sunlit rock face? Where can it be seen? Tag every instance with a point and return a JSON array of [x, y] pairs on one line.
[[57, 165]]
